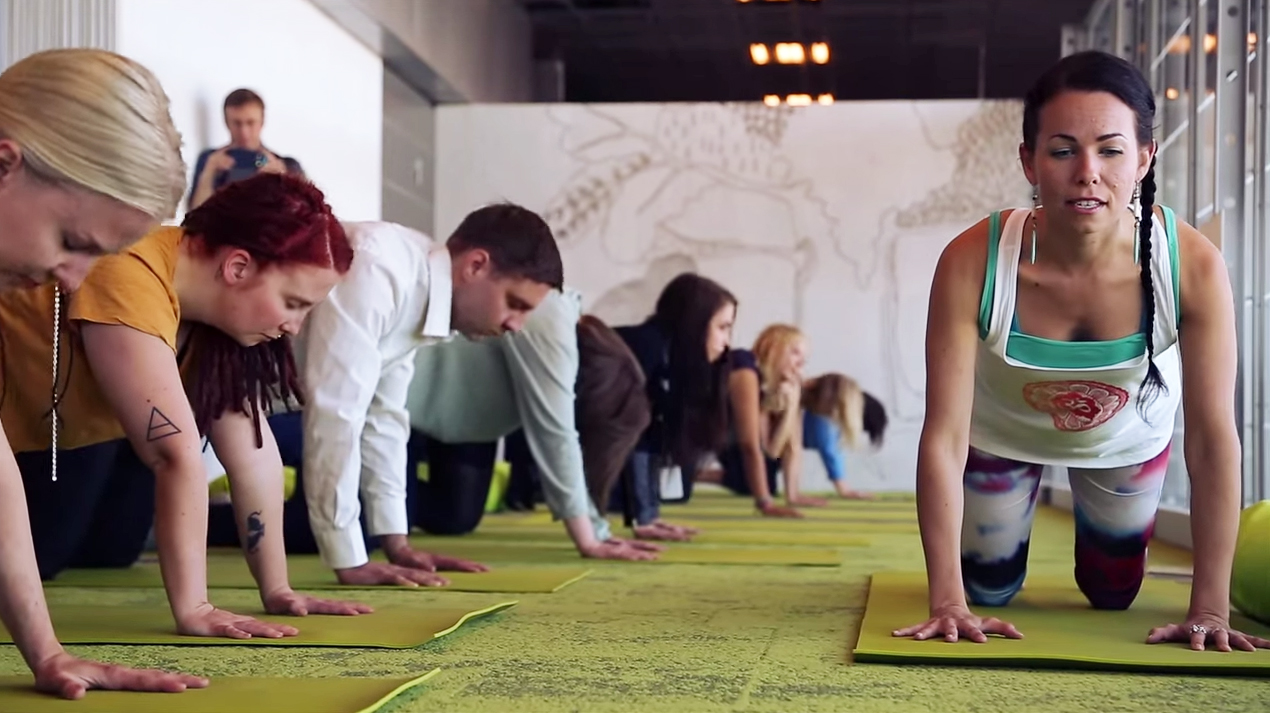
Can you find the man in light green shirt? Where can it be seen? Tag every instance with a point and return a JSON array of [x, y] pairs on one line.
[[478, 391]]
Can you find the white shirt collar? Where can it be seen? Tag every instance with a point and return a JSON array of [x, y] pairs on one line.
[[436, 320]]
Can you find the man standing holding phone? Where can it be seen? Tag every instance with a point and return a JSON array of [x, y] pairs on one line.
[[245, 156]]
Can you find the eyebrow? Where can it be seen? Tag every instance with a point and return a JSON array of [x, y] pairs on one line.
[[1104, 137]]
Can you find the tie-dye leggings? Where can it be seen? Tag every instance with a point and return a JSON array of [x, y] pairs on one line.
[[1115, 516]]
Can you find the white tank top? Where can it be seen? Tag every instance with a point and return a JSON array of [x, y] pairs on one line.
[[1072, 403]]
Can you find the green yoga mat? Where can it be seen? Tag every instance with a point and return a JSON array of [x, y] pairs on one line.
[[387, 628], [808, 514], [711, 491], [224, 695], [494, 553], [1060, 630], [711, 536], [229, 571]]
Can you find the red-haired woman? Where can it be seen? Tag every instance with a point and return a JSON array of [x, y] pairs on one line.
[[183, 335]]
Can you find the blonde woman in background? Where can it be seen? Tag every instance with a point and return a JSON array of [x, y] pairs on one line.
[[765, 394], [89, 162], [837, 413]]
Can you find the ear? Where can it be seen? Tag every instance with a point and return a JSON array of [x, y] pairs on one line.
[[11, 162], [475, 263], [1027, 158], [1145, 154], [236, 266]]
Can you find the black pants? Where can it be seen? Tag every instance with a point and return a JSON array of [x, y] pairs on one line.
[[288, 431], [98, 513], [733, 461], [452, 501]]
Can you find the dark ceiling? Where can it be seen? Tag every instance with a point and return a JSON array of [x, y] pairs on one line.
[[698, 50]]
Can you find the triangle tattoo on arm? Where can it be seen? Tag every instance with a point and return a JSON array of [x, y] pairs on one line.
[[160, 426]]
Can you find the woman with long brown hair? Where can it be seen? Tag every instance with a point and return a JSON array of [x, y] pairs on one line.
[[682, 349]]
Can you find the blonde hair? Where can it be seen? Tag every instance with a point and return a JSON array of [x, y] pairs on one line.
[[840, 399], [770, 348], [95, 120]]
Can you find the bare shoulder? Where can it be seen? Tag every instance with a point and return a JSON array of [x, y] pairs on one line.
[[1202, 272], [963, 262]]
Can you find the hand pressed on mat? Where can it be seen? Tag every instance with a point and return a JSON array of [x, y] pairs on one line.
[[808, 501], [1214, 628], [207, 620], [953, 622], [616, 548], [287, 602], [769, 508], [375, 573], [400, 553], [69, 677], [660, 530]]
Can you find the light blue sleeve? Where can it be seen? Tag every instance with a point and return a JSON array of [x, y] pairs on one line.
[[543, 359], [821, 435]]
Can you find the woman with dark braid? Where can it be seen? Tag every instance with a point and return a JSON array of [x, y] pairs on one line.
[[183, 335], [1067, 335]]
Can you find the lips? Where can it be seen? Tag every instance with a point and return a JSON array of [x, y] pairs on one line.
[[1087, 203]]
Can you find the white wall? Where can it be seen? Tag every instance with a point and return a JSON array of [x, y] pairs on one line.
[[323, 89], [828, 217]]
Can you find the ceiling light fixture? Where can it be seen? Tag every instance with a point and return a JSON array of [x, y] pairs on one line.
[[759, 53], [798, 100], [820, 52], [790, 53], [825, 99], [772, 100]]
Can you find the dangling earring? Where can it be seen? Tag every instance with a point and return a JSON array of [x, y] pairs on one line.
[[1136, 207], [1036, 205]]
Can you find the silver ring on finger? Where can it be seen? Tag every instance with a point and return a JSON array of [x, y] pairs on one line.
[[1200, 629]]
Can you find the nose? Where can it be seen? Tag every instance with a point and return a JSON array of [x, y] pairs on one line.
[[290, 327], [71, 273], [1087, 169], [514, 323]]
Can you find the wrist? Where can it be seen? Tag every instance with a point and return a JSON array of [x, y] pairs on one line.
[[42, 654], [394, 545], [186, 611], [587, 545], [267, 594]]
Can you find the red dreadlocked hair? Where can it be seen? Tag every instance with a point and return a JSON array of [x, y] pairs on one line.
[[279, 220]]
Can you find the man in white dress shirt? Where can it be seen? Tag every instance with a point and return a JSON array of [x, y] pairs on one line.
[[357, 357]]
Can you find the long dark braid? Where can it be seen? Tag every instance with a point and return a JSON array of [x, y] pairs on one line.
[[1153, 384], [231, 378]]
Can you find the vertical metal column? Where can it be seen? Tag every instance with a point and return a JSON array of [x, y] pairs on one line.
[[1195, 96], [1255, 481], [1231, 187]]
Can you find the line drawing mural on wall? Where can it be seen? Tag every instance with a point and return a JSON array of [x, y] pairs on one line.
[[651, 194]]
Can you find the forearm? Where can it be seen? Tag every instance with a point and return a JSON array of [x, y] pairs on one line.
[[792, 468], [22, 607], [1215, 504], [940, 502], [756, 472], [581, 532], [180, 525], [257, 499]]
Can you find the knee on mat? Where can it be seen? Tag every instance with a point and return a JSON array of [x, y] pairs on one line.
[[981, 596], [1104, 592]]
